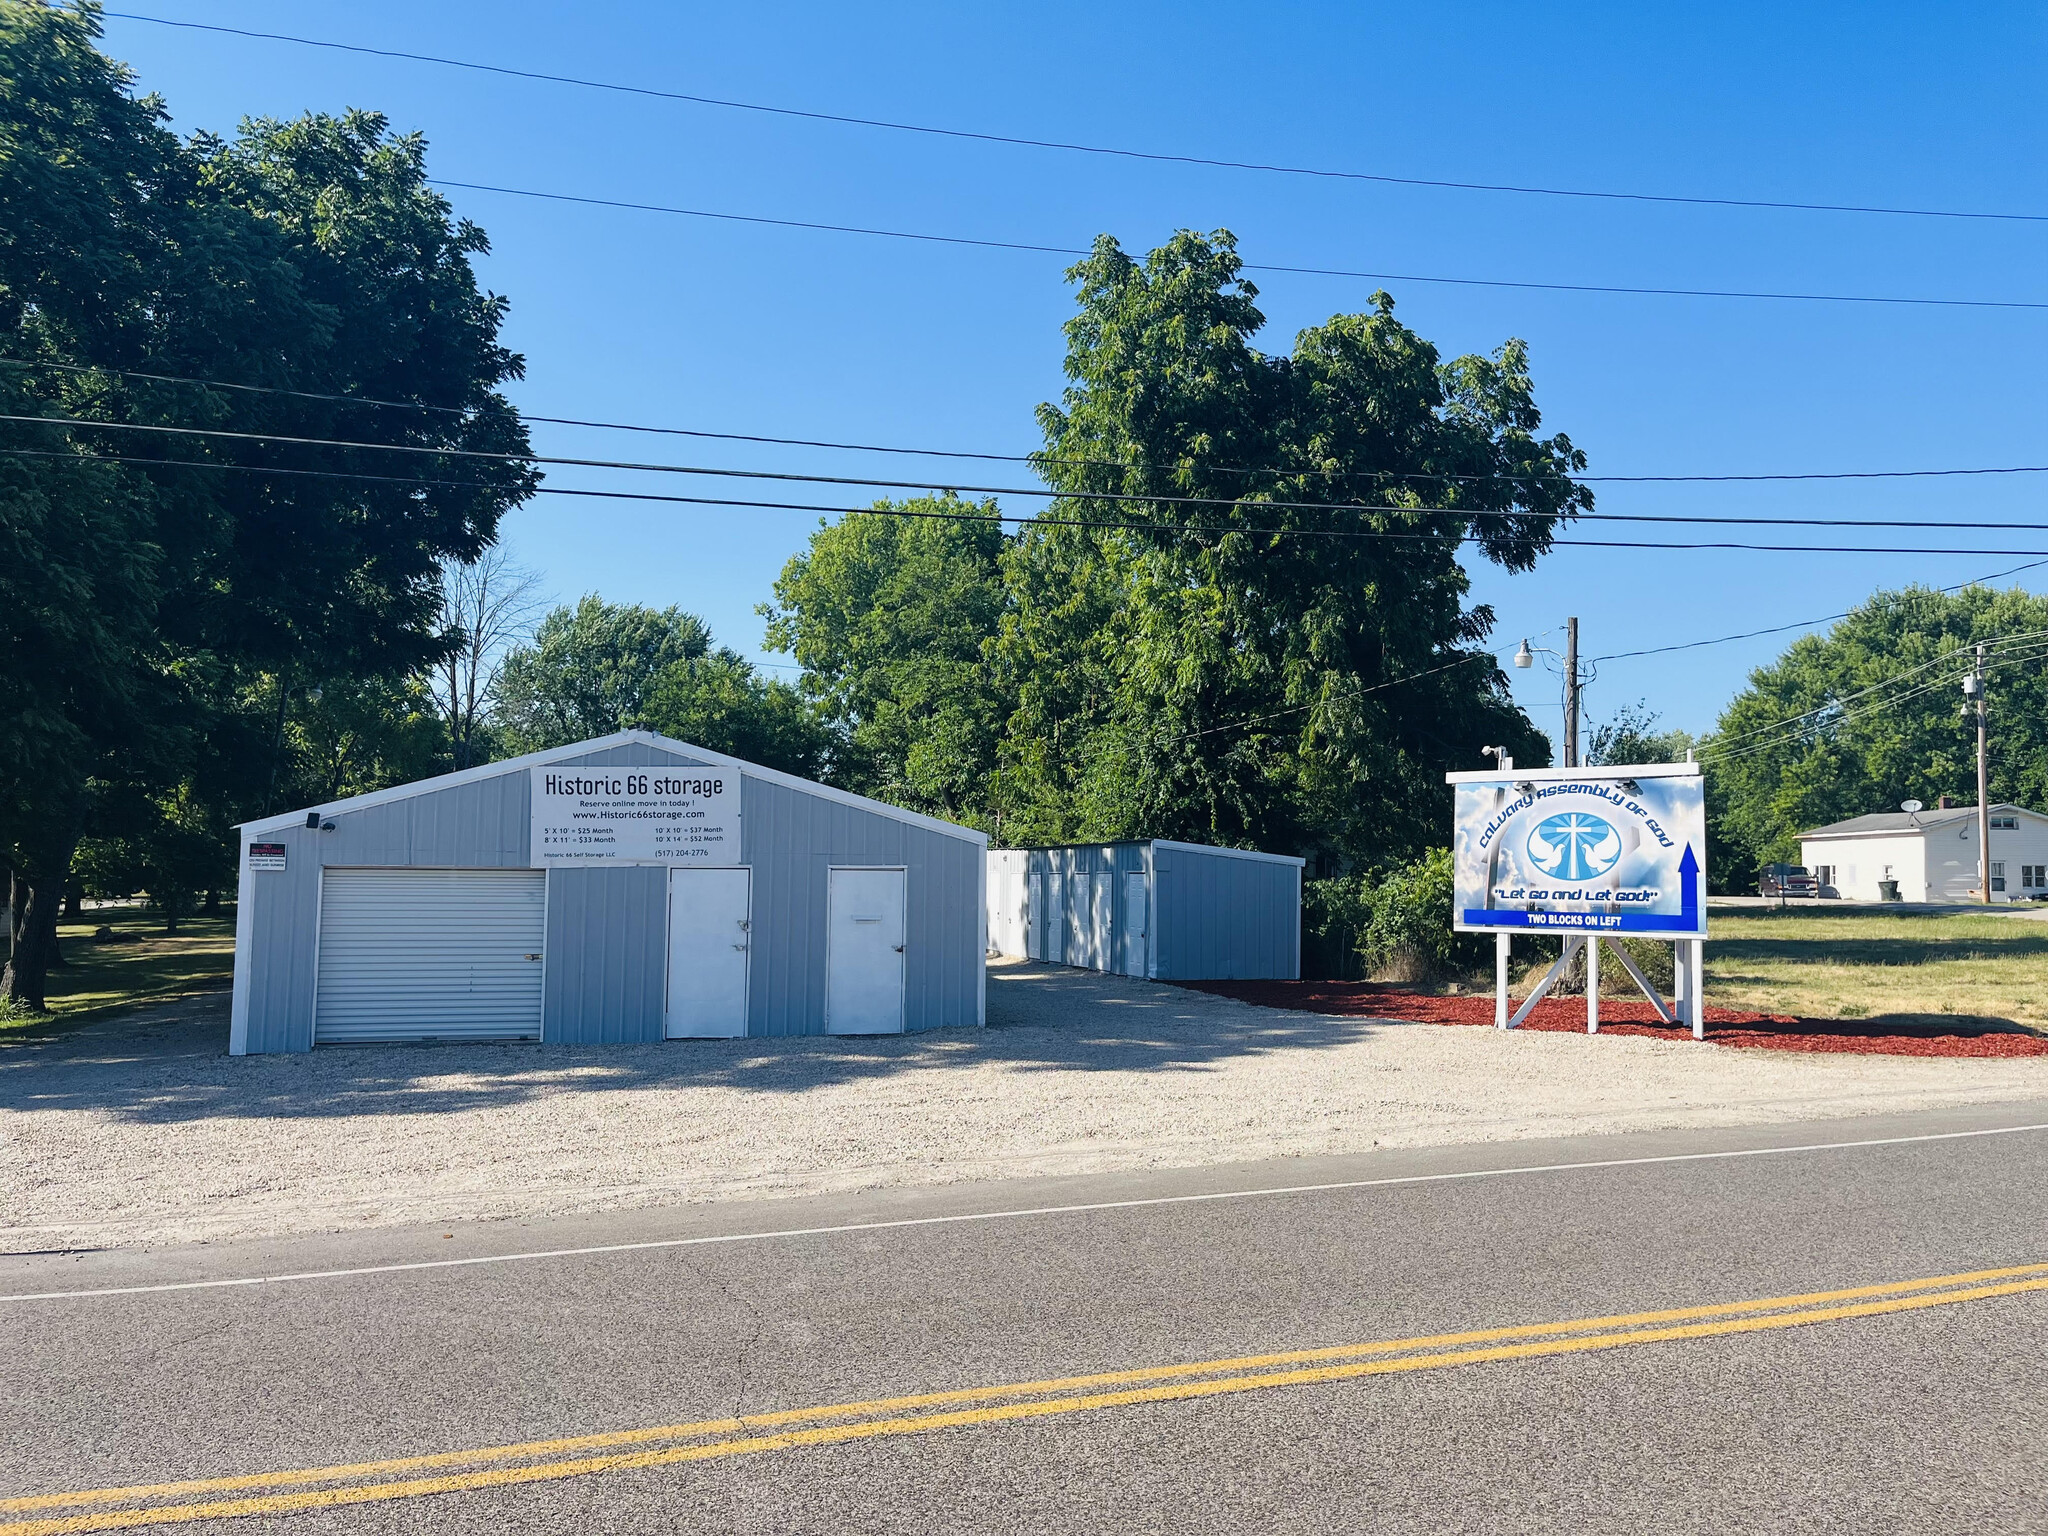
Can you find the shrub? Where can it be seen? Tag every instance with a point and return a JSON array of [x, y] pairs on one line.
[[1395, 925], [1334, 916], [1408, 936]]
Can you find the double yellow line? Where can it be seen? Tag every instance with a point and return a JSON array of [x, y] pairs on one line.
[[537, 1461]]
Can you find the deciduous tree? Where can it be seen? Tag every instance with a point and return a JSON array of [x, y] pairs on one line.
[[1244, 668], [150, 585]]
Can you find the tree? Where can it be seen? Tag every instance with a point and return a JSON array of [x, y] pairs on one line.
[[1632, 737], [590, 670], [151, 585], [488, 605], [719, 702], [889, 613], [1869, 715], [1244, 668]]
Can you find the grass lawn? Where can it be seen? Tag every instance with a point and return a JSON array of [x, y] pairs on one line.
[[1890, 967], [147, 966]]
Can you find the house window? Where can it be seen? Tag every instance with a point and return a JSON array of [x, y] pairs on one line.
[[2033, 877], [1998, 874], [2007, 823]]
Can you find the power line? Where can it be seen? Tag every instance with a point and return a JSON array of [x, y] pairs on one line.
[[1948, 679], [1779, 629], [989, 490], [1035, 458], [1034, 519], [2030, 643], [642, 466], [1111, 151], [1252, 266]]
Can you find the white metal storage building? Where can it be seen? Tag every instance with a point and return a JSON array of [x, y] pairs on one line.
[[624, 889], [1168, 910], [1931, 853]]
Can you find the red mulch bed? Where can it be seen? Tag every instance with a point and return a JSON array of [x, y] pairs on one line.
[[1725, 1026]]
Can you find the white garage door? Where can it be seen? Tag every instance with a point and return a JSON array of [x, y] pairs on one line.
[[430, 954]]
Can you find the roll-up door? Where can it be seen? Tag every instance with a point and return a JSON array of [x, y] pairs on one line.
[[430, 954]]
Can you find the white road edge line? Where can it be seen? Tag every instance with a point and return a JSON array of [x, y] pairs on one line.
[[1013, 1215]]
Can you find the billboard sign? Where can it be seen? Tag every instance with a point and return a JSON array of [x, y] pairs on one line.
[[635, 816], [1588, 850]]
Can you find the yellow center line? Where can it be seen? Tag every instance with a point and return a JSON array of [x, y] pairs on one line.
[[1254, 1379]]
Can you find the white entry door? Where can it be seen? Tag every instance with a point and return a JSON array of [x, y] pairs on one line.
[[864, 952], [1137, 923], [710, 940]]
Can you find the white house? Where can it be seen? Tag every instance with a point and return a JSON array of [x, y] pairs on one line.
[[1932, 854]]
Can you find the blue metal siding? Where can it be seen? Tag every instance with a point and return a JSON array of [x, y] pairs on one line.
[[791, 839], [283, 926], [607, 957], [1226, 919], [1213, 916]]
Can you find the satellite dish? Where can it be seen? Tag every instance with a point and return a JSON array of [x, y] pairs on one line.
[[1911, 807]]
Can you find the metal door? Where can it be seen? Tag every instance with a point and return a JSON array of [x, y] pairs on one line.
[[1054, 928], [429, 954], [864, 951], [1137, 923], [710, 921], [1101, 954]]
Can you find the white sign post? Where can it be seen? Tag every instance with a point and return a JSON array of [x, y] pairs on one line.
[[1586, 853], [635, 816]]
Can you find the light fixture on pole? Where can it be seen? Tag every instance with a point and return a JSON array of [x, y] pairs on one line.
[[1526, 658]]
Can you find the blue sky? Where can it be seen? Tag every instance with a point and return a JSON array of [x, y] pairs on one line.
[[650, 318]]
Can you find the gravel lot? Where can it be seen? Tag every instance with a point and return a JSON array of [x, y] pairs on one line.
[[142, 1131]]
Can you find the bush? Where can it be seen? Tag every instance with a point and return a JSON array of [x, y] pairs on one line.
[[1409, 936], [1395, 926], [1334, 916]]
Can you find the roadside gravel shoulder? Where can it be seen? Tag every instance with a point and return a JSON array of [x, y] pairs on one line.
[[142, 1131]]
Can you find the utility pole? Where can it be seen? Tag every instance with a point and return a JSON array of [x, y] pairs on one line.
[[1983, 791], [1571, 695]]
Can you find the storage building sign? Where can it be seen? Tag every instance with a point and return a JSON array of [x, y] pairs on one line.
[[635, 816], [1601, 850]]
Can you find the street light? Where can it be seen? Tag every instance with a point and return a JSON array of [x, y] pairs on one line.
[[1526, 658]]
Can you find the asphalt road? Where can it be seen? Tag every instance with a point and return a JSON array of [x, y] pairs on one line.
[[1895, 1409]]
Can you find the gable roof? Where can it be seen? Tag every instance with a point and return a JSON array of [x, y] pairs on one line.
[[542, 758], [1894, 822]]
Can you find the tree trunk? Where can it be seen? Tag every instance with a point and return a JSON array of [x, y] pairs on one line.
[[74, 903], [36, 894], [212, 904], [26, 979]]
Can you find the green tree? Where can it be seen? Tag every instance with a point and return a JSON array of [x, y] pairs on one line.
[[590, 670], [1632, 737], [889, 614], [721, 703], [1242, 669], [151, 585], [1870, 715]]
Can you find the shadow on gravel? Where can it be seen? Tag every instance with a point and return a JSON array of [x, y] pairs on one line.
[[171, 1065]]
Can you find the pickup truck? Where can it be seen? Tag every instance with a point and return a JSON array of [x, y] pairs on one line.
[[1786, 880]]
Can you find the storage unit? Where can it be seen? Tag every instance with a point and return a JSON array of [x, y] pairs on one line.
[[631, 888], [1171, 911]]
